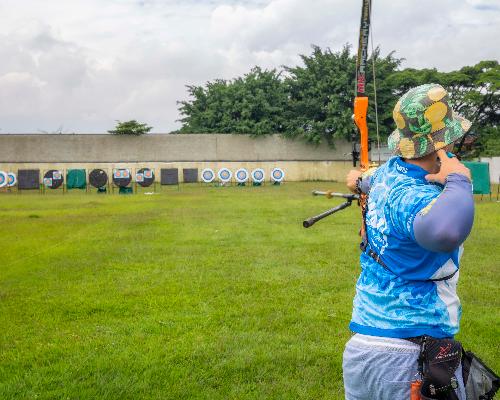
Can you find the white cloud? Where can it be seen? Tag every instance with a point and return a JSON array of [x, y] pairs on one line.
[[85, 63]]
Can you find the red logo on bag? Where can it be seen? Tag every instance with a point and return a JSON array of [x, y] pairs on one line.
[[443, 351]]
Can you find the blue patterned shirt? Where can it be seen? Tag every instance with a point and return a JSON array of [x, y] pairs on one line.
[[402, 302]]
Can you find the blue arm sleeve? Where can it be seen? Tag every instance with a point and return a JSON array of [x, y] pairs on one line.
[[366, 180], [445, 223], [365, 184]]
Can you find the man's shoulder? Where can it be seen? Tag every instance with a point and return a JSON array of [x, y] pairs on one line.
[[397, 176]]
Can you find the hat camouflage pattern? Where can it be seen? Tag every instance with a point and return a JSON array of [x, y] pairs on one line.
[[425, 122]]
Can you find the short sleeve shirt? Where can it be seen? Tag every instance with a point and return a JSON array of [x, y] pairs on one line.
[[403, 302]]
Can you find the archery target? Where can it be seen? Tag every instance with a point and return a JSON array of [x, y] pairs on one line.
[[121, 177], [11, 179], [28, 179], [241, 175], [53, 179], [145, 177], [224, 175], [169, 176], [4, 179], [98, 178], [258, 175], [277, 175], [190, 175], [207, 175]]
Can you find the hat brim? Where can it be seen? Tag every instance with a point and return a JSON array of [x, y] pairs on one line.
[[422, 145]]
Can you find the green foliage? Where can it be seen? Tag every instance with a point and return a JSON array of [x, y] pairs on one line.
[[488, 143], [252, 104], [156, 297], [130, 128], [314, 101], [321, 95]]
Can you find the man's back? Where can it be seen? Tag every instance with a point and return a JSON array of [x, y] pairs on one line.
[[400, 300]]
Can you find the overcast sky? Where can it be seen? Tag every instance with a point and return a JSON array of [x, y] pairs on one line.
[[79, 65]]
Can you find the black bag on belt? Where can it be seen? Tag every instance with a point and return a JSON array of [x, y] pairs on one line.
[[438, 361]]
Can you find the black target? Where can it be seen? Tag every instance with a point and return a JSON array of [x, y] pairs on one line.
[[28, 179], [98, 178], [145, 177], [53, 179], [190, 175], [122, 177], [169, 176]]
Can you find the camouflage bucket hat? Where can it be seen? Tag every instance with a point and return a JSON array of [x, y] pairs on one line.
[[425, 122]]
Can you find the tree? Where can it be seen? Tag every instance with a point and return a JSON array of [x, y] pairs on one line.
[[131, 127], [251, 104], [321, 95], [314, 101]]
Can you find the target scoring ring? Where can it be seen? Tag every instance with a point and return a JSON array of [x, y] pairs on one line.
[[207, 175], [258, 175], [11, 179], [241, 175], [277, 175], [225, 175], [4, 179]]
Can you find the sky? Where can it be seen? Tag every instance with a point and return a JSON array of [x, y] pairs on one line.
[[77, 66]]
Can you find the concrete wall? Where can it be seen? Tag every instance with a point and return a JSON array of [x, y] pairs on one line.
[[299, 160], [162, 148]]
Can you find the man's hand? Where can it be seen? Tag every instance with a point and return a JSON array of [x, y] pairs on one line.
[[352, 178], [448, 166]]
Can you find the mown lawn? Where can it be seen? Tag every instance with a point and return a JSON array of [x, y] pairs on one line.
[[202, 293]]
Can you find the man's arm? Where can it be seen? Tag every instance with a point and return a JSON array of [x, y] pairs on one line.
[[447, 221], [359, 182]]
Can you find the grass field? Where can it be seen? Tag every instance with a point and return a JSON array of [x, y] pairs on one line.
[[202, 293]]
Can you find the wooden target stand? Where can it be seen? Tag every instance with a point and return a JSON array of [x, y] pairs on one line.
[[92, 182], [254, 174], [143, 184], [121, 178], [277, 177], [169, 177], [208, 177], [242, 177], [225, 177], [53, 181], [24, 181]]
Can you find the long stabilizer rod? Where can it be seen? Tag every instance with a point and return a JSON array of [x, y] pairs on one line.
[[311, 221]]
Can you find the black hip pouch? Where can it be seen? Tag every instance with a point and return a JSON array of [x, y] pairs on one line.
[[438, 361]]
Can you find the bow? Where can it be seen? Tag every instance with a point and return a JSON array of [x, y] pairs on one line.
[[359, 151], [361, 100]]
